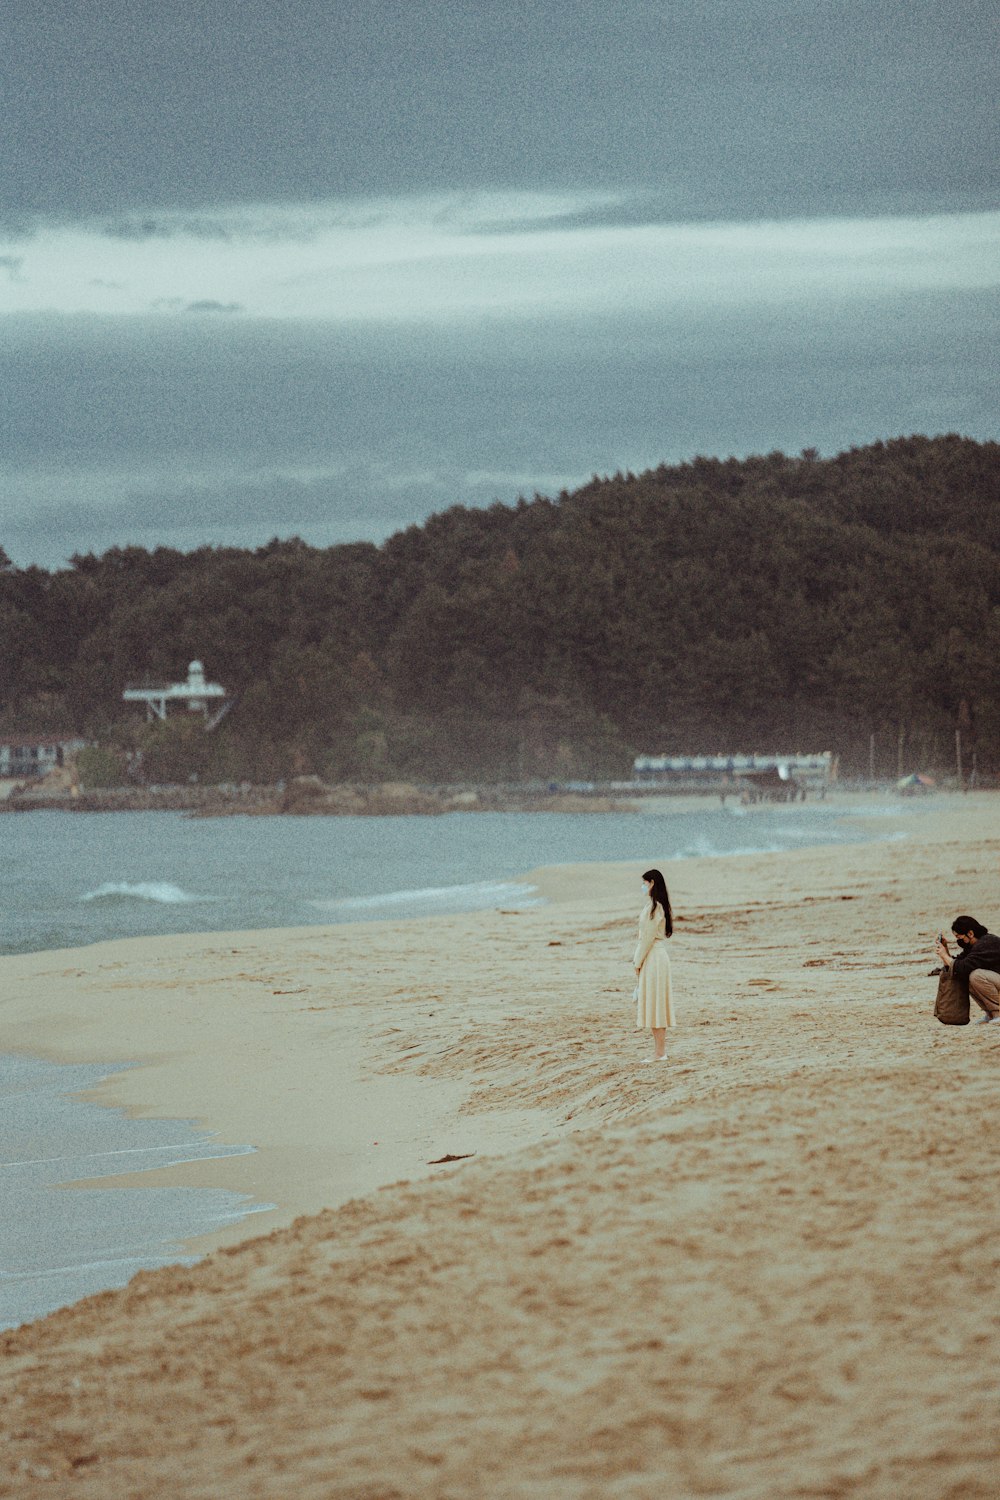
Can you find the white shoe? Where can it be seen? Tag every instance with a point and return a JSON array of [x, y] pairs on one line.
[[984, 1018]]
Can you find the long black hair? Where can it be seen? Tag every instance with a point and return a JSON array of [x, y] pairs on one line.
[[659, 894], [969, 924]]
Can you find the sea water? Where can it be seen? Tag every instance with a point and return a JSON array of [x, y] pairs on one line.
[[58, 1244], [77, 878]]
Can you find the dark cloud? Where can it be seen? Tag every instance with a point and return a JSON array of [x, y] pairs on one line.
[[146, 227], [234, 431], [161, 122], [362, 502], [732, 110], [208, 305]]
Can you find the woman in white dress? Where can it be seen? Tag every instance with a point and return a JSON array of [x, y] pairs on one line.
[[654, 1009]]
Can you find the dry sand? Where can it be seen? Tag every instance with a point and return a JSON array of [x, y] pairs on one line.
[[768, 1268]]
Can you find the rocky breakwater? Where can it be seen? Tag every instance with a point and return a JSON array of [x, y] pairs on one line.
[[310, 796], [44, 796], [306, 796]]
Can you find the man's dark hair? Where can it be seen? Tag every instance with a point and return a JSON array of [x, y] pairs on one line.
[[969, 924]]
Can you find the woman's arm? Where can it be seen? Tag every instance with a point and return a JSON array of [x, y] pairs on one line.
[[650, 928]]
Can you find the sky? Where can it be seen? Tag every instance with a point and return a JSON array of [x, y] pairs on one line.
[[317, 269]]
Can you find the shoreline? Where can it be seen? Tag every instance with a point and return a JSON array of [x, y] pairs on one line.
[[758, 1269], [307, 796], [174, 876], [58, 1245], [265, 984]]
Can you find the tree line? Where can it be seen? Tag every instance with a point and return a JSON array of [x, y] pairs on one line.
[[714, 606]]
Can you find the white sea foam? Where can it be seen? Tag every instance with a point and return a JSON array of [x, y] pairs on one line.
[[182, 1153], [160, 891], [703, 849], [478, 896]]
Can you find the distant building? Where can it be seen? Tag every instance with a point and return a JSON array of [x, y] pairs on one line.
[[810, 770], [26, 759], [197, 695]]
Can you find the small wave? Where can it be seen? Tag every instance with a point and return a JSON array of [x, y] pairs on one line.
[[799, 839], [901, 808], [451, 898], [160, 891], [704, 850]]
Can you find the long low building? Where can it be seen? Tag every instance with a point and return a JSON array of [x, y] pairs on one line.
[[811, 768]]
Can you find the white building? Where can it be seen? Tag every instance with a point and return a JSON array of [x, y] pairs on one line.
[[819, 768], [27, 759], [197, 695]]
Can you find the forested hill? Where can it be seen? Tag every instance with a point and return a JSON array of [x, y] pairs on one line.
[[714, 606]]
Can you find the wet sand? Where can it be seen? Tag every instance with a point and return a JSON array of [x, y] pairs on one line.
[[765, 1268]]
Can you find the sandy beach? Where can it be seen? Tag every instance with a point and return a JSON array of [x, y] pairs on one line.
[[766, 1268]]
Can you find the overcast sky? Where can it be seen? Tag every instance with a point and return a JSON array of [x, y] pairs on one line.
[[318, 269]]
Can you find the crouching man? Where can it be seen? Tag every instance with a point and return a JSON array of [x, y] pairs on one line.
[[976, 965]]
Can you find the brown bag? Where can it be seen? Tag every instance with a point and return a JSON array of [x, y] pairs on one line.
[[952, 1004]]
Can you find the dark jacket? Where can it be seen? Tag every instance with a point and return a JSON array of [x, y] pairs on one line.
[[984, 953]]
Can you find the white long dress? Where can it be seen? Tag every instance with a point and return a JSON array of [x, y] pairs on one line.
[[653, 1006]]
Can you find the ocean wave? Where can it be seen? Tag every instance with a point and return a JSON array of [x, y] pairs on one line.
[[160, 891], [705, 850], [902, 807], [797, 838], [451, 898]]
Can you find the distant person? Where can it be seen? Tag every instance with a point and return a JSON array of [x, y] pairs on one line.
[[976, 966], [654, 1009]]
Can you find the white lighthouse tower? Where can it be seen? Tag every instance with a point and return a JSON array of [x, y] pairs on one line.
[[200, 697]]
